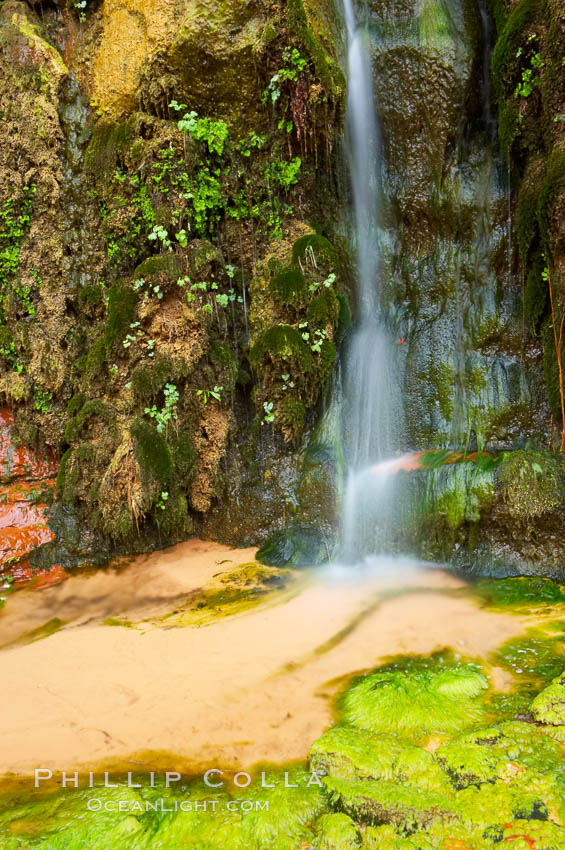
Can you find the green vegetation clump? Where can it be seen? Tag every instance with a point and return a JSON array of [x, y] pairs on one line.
[[288, 287], [551, 369], [122, 302], [415, 703], [549, 706], [551, 188], [521, 592], [152, 453], [337, 832], [316, 245], [149, 377], [323, 309], [184, 455], [93, 409], [92, 295], [75, 404], [285, 343], [349, 753], [524, 13], [292, 414], [405, 806], [536, 294], [531, 484]]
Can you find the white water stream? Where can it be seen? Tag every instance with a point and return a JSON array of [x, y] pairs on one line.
[[371, 421]]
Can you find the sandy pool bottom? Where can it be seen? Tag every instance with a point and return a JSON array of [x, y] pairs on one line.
[[254, 687]]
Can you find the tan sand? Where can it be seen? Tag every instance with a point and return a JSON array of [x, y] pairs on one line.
[[244, 689]]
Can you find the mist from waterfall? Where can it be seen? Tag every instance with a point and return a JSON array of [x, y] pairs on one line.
[[371, 411]]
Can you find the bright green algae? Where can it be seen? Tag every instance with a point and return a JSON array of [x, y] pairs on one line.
[[425, 756]]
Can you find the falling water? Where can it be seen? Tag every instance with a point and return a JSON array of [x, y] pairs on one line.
[[371, 419]]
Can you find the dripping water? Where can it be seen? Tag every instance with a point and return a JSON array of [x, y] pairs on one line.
[[370, 418]]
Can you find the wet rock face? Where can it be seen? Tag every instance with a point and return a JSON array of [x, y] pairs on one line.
[[28, 481], [454, 295], [204, 51], [134, 240]]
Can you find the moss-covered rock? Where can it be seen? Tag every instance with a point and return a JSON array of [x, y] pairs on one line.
[[415, 703], [549, 705], [337, 832], [346, 752], [532, 484], [388, 802]]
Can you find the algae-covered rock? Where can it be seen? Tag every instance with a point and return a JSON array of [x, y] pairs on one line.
[[416, 703], [532, 483], [388, 802], [349, 753], [337, 832], [531, 592], [501, 752], [549, 706]]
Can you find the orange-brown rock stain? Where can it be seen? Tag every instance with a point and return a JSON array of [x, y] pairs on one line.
[[26, 475]]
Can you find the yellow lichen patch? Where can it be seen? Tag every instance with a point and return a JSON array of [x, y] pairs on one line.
[[133, 30]]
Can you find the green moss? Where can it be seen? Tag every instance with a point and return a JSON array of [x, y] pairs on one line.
[[85, 452], [174, 519], [165, 266], [494, 804], [120, 523], [92, 295], [314, 243], [526, 212], [345, 315], [419, 767], [185, 456], [388, 802], [499, 13], [531, 592], [62, 470], [549, 706], [551, 188], [95, 358], [328, 353], [524, 13], [323, 309], [337, 832], [149, 378], [326, 67], [533, 834], [416, 702], [551, 370], [75, 404], [434, 24], [536, 294], [507, 125], [224, 358], [470, 764], [122, 303], [531, 483], [534, 660], [291, 415], [282, 342], [152, 453], [349, 753], [93, 409], [107, 148], [288, 286]]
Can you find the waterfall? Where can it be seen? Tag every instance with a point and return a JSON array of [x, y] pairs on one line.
[[371, 418]]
